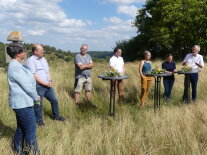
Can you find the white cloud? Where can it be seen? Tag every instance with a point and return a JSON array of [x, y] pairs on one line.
[[43, 21], [129, 10], [6, 3], [119, 25], [72, 23], [113, 20], [127, 6], [36, 32], [36, 13]]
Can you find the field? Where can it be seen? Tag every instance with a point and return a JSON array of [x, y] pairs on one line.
[[175, 129]]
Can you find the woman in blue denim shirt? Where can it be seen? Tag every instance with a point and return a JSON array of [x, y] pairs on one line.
[[22, 94]]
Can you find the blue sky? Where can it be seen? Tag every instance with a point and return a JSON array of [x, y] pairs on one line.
[[67, 24]]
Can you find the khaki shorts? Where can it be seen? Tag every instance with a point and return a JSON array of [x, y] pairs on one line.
[[83, 83]]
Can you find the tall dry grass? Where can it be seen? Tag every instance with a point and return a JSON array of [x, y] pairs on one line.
[[175, 129]]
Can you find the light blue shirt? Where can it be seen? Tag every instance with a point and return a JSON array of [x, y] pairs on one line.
[[39, 66], [22, 86]]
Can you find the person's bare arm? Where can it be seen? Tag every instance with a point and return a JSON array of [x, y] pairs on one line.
[[82, 67], [123, 68], [140, 68], [185, 61], [199, 65], [49, 77], [112, 68]]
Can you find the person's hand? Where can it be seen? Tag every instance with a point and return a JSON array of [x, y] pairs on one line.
[[48, 84], [39, 98], [184, 63], [175, 71], [37, 103], [197, 64], [142, 76]]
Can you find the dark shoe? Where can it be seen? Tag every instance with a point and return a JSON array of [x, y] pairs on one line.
[[32, 152], [36, 152], [92, 105], [59, 118], [19, 153], [40, 124], [167, 100]]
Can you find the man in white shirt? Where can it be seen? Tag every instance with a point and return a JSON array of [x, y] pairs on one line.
[[195, 61], [116, 62]]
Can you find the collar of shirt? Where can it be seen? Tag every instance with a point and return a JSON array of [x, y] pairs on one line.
[[116, 57], [194, 56], [37, 58]]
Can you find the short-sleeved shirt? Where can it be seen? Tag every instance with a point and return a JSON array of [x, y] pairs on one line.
[[117, 63], [191, 60], [38, 66], [169, 66], [85, 60]]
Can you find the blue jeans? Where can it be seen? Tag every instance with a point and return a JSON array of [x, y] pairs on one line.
[[193, 80], [26, 130], [49, 94], [168, 84]]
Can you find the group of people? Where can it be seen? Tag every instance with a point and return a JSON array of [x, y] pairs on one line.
[[29, 84], [193, 60]]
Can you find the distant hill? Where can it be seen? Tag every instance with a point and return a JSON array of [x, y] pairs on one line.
[[50, 52], [99, 54]]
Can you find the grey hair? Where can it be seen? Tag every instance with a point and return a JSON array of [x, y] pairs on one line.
[[146, 52], [196, 46], [83, 45]]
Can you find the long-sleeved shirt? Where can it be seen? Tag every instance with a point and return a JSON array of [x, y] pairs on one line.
[[22, 86]]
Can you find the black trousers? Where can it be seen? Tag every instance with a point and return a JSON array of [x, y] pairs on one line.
[[193, 80]]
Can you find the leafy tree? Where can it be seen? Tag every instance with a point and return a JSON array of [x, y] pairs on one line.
[[2, 55], [169, 26]]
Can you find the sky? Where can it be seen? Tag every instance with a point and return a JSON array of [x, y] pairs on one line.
[[67, 24]]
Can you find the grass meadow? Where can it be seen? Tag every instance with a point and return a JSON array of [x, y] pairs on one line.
[[176, 129]]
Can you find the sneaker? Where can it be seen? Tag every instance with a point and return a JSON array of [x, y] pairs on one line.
[[59, 118], [34, 152], [40, 124]]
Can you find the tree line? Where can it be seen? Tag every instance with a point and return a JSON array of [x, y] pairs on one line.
[[50, 52], [54, 54], [168, 26]]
